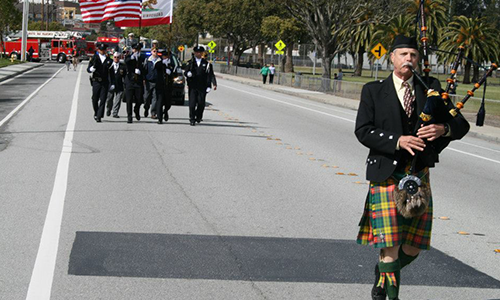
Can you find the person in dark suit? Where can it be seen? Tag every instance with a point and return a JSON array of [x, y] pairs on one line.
[[155, 71], [199, 84], [169, 82], [387, 116], [134, 86], [118, 71], [99, 67]]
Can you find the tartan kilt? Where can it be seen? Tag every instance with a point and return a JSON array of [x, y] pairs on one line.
[[382, 226]]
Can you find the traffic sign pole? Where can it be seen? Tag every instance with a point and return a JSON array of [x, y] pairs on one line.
[[376, 70]]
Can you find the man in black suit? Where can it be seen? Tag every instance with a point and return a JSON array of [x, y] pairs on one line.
[[99, 66], [199, 84], [170, 70], [386, 124], [134, 85], [115, 93]]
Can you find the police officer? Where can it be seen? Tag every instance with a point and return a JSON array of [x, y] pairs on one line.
[[134, 81], [169, 82], [115, 94], [99, 67], [199, 84]]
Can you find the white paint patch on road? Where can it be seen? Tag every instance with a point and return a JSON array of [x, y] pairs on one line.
[[473, 155], [291, 104], [13, 112], [43, 273]]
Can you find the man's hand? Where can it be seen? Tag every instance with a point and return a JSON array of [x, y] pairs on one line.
[[431, 132], [215, 87], [137, 71], [189, 74], [410, 143], [208, 90], [168, 71], [92, 69]]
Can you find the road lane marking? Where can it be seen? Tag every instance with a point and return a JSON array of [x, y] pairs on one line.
[[43, 272], [12, 113], [345, 119], [291, 104], [480, 147]]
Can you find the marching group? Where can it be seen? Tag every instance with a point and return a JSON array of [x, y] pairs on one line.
[[139, 80]]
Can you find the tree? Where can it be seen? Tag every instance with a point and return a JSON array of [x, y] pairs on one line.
[[477, 36], [288, 30], [10, 19], [53, 26], [239, 21], [326, 19]]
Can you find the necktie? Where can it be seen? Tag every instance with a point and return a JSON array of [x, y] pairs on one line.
[[408, 99]]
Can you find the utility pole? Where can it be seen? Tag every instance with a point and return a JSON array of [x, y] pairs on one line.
[[24, 35]]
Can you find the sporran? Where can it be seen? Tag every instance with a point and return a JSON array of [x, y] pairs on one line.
[[412, 198]]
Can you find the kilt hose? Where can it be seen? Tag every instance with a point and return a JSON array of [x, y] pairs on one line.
[[382, 226]]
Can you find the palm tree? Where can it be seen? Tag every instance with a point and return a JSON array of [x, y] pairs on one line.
[[477, 36], [385, 33], [436, 16]]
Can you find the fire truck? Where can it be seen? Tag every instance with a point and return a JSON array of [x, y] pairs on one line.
[[47, 45], [112, 42]]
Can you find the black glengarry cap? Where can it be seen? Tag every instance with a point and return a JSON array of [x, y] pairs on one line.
[[401, 41]]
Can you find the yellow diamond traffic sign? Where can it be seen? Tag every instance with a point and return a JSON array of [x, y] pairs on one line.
[[181, 48], [211, 51], [378, 51], [280, 52], [212, 44], [280, 45]]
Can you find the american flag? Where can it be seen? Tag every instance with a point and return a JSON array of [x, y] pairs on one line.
[[96, 11]]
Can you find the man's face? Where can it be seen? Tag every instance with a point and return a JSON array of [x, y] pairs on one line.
[[402, 58], [154, 53], [102, 52], [116, 58], [198, 54]]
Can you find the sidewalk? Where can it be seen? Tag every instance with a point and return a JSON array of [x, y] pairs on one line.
[[485, 132], [14, 70]]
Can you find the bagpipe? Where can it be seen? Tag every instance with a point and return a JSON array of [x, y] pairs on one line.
[[412, 197]]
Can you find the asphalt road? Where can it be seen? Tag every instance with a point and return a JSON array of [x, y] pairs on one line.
[[259, 201]]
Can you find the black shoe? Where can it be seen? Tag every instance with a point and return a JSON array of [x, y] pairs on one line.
[[378, 293], [160, 121], [129, 119], [146, 114], [95, 118], [166, 116], [98, 120], [138, 116], [198, 121], [192, 123], [116, 116], [108, 113]]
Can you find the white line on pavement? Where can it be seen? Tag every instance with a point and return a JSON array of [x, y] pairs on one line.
[[291, 104], [345, 119], [43, 273], [480, 147], [12, 113]]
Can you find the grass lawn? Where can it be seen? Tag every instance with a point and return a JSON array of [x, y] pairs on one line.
[[4, 62]]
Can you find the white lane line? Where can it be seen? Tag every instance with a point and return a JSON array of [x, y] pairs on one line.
[[481, 147], [43, 273], [474, 155], [12, 113], [291, 104], [10, 79], [320, 112]]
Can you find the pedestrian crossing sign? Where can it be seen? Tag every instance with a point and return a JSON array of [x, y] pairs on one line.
[[280, 45], [212, 45]]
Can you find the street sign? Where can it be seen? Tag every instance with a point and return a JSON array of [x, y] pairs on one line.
[[280, 45], [180, 48], [212, 45], [280, 52], [378, 51], [211, 51]]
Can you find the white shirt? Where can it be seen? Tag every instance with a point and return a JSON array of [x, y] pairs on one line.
[[198, 61], [271, 70], [115, 66], [102, 57], [400, 88]]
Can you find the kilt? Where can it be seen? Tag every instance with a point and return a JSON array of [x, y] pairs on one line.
[[382, 226]]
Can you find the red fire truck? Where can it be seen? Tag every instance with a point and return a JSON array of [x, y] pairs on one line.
[[47, 45], [112, 42]]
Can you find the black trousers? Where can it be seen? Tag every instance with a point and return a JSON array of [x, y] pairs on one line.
[[133, 95], [196, 104], [99, 96], [167, 100]]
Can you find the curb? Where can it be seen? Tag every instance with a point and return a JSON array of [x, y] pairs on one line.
[[472, 133], [6, 77]]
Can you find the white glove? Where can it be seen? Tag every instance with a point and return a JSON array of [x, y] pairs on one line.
[[168, 71], [92, 69], [112, 87], [137, 71], [208, 90], [189, 74]]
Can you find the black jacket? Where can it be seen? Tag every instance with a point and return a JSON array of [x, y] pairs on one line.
[[155, 72], [132, 80], [381, 121], [101, 74], [118, 76], [201, 79]]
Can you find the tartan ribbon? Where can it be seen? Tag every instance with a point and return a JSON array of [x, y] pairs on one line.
[[391, 279]]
